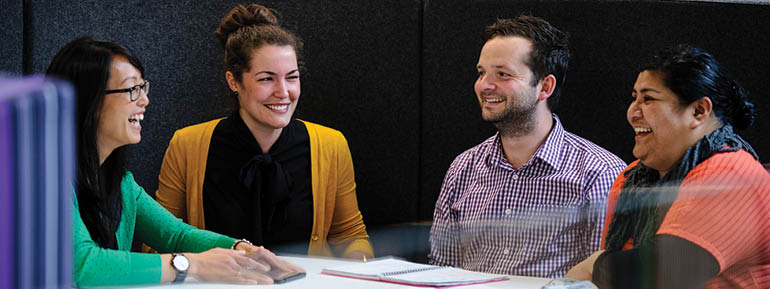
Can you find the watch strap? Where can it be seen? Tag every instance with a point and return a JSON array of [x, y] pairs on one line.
[[180, 274]]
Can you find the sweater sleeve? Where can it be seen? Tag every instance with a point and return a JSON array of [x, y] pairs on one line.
[[166, 233], [171, 191], [671, 263], [347, 229], [97, 266]]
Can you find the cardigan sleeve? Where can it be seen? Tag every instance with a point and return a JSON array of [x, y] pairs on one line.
[[671, 262], [166, 233], [171, 180], [97, 266], [347, 230], [181, 175]]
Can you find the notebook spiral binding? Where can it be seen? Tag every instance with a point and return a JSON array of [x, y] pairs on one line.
[[410, 271]]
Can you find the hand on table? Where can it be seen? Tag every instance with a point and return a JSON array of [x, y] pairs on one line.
[[228, 266], [278, 268], [584, 271]]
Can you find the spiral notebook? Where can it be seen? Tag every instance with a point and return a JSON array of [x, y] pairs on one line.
[[408, 273]]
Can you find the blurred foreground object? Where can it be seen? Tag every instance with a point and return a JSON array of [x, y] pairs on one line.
[[37, 156]]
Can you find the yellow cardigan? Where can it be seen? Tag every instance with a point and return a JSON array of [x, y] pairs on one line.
[[338, 228]]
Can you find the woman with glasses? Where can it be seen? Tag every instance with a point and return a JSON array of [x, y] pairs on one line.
[[110, 207], [259, 173]]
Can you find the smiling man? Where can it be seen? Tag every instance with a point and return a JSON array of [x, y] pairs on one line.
[[529, 200]]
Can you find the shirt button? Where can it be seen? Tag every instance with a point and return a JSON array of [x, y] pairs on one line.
[[315, 238], [506, 251], [508, 211], [514, 176]]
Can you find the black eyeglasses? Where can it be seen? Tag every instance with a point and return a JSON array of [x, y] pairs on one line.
[[134, 92]]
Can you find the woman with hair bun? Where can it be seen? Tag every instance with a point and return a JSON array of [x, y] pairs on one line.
[[260, 174], [694, 210], [110, 208]]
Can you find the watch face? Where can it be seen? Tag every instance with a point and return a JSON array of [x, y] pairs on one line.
[[180, 263]]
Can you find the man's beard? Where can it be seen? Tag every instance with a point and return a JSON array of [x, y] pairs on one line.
[[517, 119]]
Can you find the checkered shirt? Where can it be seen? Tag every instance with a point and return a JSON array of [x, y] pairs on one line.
[[539, 220]]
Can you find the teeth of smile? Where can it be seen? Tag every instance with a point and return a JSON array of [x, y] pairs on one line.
[[277, 107], [136, 117], [494, 100], [642, 130]]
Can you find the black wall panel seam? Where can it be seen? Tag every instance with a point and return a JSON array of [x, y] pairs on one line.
[[420, 115]]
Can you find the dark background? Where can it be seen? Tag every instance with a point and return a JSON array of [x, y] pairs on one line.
[[396, 77]]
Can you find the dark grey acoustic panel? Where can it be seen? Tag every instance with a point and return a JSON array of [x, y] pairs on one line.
[[609, 41], [176, 45], [362, 78], [363, 71], [11, 37]]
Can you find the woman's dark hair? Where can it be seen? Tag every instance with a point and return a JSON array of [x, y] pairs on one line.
[[85, 62], [250, 27], [692, 73]]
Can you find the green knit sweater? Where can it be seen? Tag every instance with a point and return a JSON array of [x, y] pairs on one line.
[[96, 266]]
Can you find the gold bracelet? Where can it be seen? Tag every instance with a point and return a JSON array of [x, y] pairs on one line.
[[235, 244]]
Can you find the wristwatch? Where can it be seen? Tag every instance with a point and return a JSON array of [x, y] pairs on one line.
[[181, 265]]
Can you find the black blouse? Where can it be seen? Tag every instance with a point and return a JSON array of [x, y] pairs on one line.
[[265, 198]]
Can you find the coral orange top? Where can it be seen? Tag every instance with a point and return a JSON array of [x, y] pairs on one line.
[[723, 206]]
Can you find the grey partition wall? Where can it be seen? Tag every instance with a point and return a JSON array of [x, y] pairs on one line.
[[396, 77], [11, 36]]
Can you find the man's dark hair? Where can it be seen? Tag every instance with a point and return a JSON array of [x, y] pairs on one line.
[[550, 52]]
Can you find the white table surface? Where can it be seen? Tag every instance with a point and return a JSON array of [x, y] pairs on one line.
[[316, 280]]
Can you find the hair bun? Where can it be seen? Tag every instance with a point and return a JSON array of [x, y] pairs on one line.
[[743, 113], [244, 16]]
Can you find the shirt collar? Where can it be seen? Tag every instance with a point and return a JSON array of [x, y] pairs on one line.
[[549, 152]]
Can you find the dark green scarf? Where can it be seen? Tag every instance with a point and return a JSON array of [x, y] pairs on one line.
[[645, 198]]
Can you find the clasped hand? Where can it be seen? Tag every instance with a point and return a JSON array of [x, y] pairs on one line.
[[247, 265]]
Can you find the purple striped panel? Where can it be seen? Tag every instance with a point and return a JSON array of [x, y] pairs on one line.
[[7, 200]]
